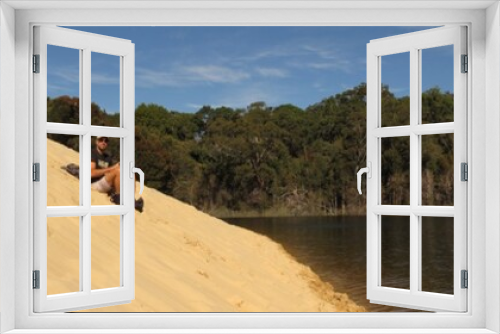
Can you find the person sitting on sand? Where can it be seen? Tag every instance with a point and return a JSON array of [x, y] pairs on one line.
[[105, 176]]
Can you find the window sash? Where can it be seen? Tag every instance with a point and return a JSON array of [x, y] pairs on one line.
[[414, 43], [86, 297]]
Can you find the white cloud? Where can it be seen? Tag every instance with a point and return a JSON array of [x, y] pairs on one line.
[[321, 52], [278, 51], [67, 74], [182, 76], [322, 66], [216, 74], [327, 59], [56, 88], [150, 78], [334, 65], [105, 79], [71, 75], [340, 65], [272, 72]]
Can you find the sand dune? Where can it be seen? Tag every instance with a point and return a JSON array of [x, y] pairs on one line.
[[186, 260]]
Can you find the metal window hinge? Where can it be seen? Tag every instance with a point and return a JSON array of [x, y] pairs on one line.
[[36, 279], [465, 64], [36, 63], [464, 172], [36, 172], [465, 279]]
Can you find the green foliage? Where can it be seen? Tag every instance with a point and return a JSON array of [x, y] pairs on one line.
[[285, 159]]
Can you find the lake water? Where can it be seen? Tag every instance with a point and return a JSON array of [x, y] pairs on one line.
[[335, 249]]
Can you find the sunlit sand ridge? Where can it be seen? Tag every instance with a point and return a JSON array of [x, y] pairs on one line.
[[186, 260]]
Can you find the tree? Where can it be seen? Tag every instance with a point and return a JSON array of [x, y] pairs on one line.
[[269, 158]]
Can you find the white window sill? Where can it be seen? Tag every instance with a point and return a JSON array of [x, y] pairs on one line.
[[249, 331]]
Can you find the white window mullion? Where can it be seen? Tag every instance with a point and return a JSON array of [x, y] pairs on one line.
[[127, 234], [379, 252], [82, 249], [85, 153], [66, 129], [66, 211], [123, 174], [85, 248], [373, 184], [76, 129], [433, 129], [109, 210], [81, 257], [86, 100], [84, 258], [392, 131], [419, 129], [85, 236], [434, 211], [98, 210], [392, 210], [418, 126], [109, 131], [414, 171]]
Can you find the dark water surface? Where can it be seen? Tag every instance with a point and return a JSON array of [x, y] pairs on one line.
[[335, 249]]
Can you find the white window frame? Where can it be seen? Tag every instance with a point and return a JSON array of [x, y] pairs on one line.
[[483, 314]]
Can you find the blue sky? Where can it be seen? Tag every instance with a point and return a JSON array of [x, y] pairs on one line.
[[184, 68]]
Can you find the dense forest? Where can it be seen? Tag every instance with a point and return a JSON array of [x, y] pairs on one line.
[[280, 160]]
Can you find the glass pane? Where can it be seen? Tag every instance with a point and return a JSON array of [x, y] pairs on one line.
[[395, 90], [437, 254], [105, 252], [395, 171], [437, 84], [437, 169], [63, 185], [63, 255], [396, 251], [105, 171], [63, 85], [105, 89]]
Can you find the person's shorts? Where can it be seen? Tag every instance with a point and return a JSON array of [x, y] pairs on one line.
[[102, 185]]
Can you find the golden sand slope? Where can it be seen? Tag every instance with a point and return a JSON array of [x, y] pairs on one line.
[[186, 260]]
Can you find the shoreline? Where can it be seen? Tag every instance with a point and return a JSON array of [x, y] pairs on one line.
[[224, 214], [278, 216]]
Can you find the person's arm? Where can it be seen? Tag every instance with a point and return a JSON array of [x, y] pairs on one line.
[[94, 172]]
